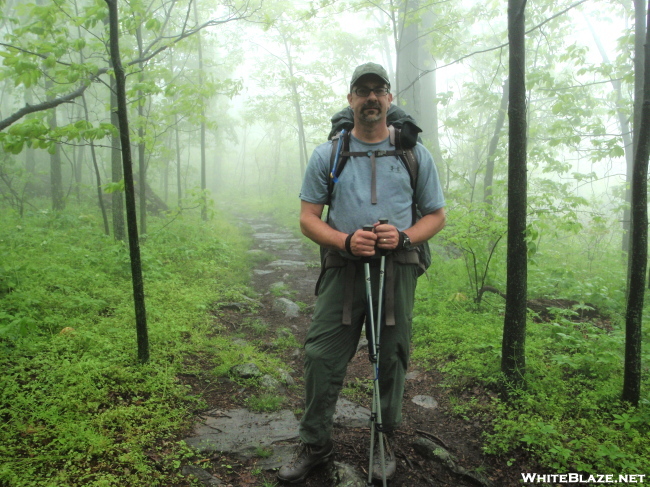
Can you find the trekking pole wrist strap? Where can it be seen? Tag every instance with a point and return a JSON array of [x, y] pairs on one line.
[[348, 244], [400, 243]]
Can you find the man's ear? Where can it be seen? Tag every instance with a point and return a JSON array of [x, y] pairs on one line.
[[350, 99]]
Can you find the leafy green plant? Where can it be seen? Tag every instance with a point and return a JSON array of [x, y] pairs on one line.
[[281, 289], [265, 403], [476, 232], [357, 390], [258, 326], [263, 452], [285, 339]]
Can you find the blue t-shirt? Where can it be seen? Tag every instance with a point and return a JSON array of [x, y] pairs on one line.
[[351, 206]]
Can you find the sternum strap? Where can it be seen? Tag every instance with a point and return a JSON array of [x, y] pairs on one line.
[[373, 154]]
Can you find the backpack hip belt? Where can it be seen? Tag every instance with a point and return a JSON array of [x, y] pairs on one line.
[[334, 259]]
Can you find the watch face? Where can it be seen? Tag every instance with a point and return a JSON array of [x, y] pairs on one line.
[[407, 241]]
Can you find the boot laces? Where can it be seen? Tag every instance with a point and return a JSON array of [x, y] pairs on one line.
[[301, 453]]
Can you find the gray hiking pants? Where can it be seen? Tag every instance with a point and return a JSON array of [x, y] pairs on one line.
[[330, 345]]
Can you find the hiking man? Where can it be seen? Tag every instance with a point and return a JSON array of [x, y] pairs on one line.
[[373, 186]]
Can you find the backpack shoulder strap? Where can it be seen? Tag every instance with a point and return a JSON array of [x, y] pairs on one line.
[[410, 161], [336, 166], [407, 155]]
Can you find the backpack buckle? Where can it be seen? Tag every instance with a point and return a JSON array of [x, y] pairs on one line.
[[380, 153]]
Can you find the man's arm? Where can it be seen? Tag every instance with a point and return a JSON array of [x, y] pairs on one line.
[[427, 226], [312, 226]]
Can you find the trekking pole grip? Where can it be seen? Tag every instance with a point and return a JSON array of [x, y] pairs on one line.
[[383, 221]]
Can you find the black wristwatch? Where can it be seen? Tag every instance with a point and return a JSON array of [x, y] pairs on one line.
[[405, 241]]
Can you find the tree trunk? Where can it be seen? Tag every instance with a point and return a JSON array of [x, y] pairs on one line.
[[204, 201], [428, 114], [177, 143], [218, 168], [639, 36], [624, 124], [30, 158], [408, 61], [386, 49], [489, 167], [93, 153], [434, 134], [117, 197], [78, 164], [129, 190], [142, 169], [513, 361], [638, 241], [179, 186], [56, 178], [98, 177], [295, 96]]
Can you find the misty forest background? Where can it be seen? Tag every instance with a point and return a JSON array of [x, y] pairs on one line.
[[225, 100]]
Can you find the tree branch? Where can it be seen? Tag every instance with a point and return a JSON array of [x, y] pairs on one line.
[[505, 44], [27, 109]]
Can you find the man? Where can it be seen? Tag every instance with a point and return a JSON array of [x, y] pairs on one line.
[[367, 190]]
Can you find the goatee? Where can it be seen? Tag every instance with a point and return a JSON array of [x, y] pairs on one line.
[[365, 117]]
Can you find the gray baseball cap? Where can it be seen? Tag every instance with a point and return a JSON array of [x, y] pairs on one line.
[[369, 68]]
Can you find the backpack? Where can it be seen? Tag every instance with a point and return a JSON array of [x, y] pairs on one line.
[[403, 136]]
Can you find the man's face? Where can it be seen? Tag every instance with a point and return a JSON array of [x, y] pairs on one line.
[[369, 109]]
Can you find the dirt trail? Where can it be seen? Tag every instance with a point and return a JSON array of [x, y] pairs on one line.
[[289, 278]]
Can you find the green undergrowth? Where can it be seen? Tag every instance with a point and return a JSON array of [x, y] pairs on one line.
[[570, 417], [77, 408]]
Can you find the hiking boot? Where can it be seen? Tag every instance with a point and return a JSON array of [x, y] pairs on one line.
[[305, 459], [389, 460]]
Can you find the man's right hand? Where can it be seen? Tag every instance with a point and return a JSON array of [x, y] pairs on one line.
[[363, 243]]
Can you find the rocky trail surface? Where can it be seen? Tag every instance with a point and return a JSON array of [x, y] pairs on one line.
[[244, 448]]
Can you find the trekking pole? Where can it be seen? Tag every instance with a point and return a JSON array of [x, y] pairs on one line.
[[375, 415]]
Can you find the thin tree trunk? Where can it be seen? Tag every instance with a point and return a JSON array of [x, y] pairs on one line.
[[131, 211], [142, 170], [177, 143], [434, 133], [428, 113], [179, 187], [98, 177], [386, 50], [218, 168], [30, 161], [117, 197], [302, 141], [638, 242], [204, 201], [93, 154], [56, 177], [513, 361], [489, 167]]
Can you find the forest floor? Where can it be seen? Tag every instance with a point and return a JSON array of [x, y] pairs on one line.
[[460, 436]]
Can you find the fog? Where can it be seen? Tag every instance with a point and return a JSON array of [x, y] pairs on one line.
[[271, 75]]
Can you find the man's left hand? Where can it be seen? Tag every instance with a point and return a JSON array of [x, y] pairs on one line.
[[387, 236]]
